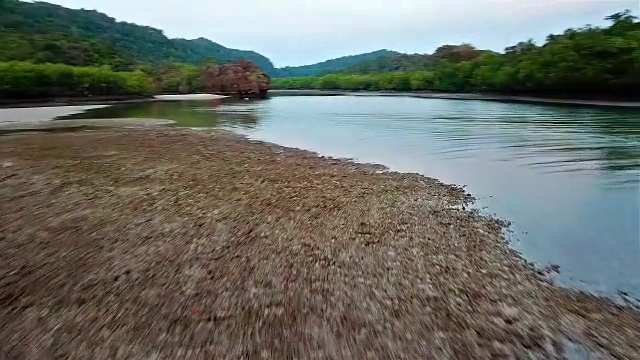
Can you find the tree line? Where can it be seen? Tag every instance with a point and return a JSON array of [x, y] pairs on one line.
[[598, 62], [586, 62], [24, 80]]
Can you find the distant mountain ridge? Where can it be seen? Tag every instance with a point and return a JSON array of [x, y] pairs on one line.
[[41, 32], [332, 65], [26, 24], [414, 62]]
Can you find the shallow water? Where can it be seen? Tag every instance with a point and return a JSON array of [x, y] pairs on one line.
[[40, 114], [568, 178]]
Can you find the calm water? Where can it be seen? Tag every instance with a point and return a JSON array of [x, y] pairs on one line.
[[567, 177]]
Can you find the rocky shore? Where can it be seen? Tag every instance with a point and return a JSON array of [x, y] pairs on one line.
[[177, 244]]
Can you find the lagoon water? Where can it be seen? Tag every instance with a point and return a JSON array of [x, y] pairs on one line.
[[568, 178]]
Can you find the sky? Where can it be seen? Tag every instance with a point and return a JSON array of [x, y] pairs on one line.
[[299, 32]]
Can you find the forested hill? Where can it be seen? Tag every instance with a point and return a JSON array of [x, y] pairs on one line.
[[43, 32], [413, 62], [588, 62], [333, 65]]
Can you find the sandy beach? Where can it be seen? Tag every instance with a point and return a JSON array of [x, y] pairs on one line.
[[178, 244]]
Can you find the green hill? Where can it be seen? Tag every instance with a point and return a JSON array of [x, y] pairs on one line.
[[62, 48], [590, 62], [43, 32], [413, 62], [333, 65]]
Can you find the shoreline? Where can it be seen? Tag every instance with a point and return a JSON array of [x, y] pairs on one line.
[[247, 233], [461, 96], [104, 100], [52, 126], [112, 100], [62, 101]]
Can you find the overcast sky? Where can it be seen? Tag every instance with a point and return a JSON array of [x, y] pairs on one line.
[[297, 32]]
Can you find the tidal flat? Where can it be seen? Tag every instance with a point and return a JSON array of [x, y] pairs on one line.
[[172, 243]]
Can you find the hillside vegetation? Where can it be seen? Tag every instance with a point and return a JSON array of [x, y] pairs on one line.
[[332, 65], [39, 38], [590, 62], [413, 62], [22, 80], [41, 32]]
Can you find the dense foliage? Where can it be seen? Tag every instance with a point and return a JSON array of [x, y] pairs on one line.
[[393, 62], [43, 32], [414, 62], [123, 58], [23, 80], [176, 79], [62, 48], [586, 62], [40, 32], [113, 58], [330, 66]]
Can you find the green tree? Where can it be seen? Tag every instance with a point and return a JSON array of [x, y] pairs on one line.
[[586, 62]]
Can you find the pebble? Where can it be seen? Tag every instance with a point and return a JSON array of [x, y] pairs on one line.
[[510, 312], [237, 249]]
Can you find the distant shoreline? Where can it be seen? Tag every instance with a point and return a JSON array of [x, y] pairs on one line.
[[461, 96], [67, 101], [109, 100], [103, 100]]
